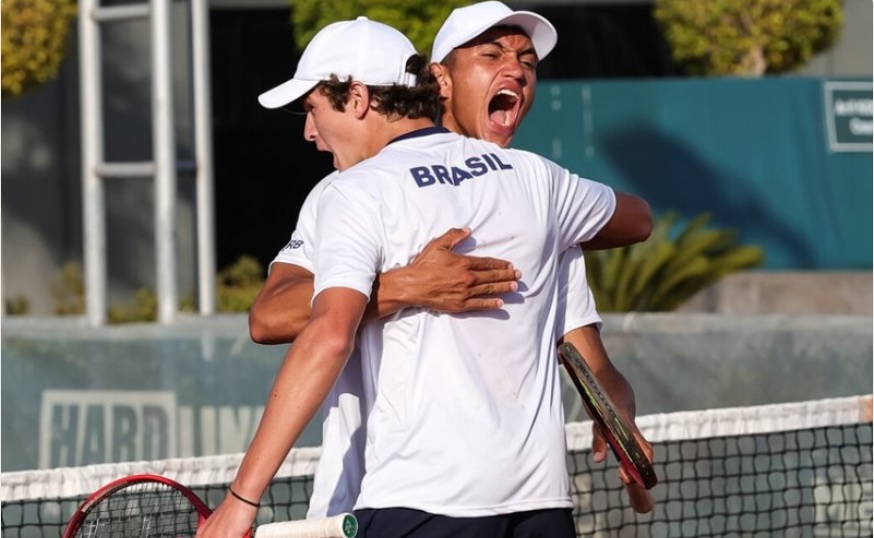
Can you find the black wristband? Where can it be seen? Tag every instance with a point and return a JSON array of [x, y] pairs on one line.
[[241, 499]]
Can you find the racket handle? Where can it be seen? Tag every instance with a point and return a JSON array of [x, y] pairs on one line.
[[639, 498], [339, 526]]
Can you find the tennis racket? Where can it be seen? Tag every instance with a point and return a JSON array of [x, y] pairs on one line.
[[615, 429], [155, 506]]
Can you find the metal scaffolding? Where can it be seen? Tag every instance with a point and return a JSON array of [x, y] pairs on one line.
[[163, 167]]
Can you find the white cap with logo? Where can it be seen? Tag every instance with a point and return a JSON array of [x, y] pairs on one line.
[[466, 23], [368, 51]]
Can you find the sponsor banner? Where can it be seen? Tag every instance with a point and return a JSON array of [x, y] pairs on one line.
[[849, 122]]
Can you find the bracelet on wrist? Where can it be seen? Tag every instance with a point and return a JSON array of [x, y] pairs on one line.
[[242, 499]]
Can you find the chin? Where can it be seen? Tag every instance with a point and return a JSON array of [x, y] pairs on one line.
[[502, 139]]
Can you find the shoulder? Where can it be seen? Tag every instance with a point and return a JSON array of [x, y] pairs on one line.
[[312, 199], [524, 154], [319, 188], [367, 173], [325, 182]]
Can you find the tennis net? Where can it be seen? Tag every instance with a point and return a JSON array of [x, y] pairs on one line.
[[795, 469]]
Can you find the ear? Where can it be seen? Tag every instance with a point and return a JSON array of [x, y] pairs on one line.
[[359, 99], [444, 79]]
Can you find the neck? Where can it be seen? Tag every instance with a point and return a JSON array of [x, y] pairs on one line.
[[375, 135], [392, 129], [448, 120]]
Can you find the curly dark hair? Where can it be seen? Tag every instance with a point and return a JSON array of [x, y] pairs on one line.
[[419, 101]]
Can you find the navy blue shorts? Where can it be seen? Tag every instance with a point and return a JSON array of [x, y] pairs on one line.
[[405, 522]]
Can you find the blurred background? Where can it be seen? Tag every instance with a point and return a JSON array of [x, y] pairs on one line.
[[658, 103], [145, 192]]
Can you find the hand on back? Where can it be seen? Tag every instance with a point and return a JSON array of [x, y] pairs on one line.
[[446, 281]]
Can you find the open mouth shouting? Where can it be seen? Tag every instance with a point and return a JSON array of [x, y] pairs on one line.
[[504, 111]]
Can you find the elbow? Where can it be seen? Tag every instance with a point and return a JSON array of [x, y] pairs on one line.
[[644, 228], [269, 328], [261, 331], [258, 332], [337, 345], [631, 222], [640, 225]]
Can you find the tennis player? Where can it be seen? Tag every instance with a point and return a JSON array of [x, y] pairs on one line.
[[485, 57], [466, 433], [439, 279]]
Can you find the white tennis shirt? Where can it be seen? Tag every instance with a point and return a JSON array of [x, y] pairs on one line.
[[341, 465], [340, 468], [467, 417]]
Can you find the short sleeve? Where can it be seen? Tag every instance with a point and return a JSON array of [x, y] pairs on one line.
[[300, 248], [349, 251], [576, 304], [583, 206]]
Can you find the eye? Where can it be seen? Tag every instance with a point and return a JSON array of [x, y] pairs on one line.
[[491, 51]]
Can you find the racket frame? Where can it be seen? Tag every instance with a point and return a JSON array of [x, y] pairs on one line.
[[108, 490], [616, 430]]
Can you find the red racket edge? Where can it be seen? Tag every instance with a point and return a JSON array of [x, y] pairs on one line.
[[637, 465], [618, 434], [108, 490]]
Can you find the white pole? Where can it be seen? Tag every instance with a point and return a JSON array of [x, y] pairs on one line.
[[164, 148], [93, 197], [206, 264]]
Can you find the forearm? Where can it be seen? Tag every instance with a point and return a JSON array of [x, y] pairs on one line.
[[302, 383], [310, 369], [588, 342], [443, 281], [392, 291], [437, 279]]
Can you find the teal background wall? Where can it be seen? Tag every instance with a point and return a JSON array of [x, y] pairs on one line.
[[753, 152]]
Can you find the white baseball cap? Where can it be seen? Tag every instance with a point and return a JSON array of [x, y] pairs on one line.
[[368, 51], [466, 23]]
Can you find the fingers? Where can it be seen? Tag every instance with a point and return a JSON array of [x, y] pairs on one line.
[[451, 238], [480, 304], [599, 444], [475, 263], [493, 281], [446, 281], [639, 498]]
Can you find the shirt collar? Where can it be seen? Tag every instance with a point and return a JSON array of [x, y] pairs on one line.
[[427, 131]]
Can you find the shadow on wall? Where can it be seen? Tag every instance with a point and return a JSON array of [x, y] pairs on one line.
[[669, 174]]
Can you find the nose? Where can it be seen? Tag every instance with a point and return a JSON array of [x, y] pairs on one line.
[[513, 68], [309, 129]]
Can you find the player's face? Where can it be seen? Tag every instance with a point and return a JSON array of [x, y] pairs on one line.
[[489, 87], [328, 128]]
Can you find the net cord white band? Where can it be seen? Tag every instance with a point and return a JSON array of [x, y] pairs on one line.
[[192, 472], [201, 471], [729, 421]]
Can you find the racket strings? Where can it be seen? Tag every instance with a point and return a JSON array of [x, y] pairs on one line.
[[140, 511]]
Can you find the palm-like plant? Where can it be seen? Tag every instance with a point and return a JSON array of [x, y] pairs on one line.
[[666, 270]]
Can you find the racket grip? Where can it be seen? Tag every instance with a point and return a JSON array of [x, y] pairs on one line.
[[339, 526], [639, 498]]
